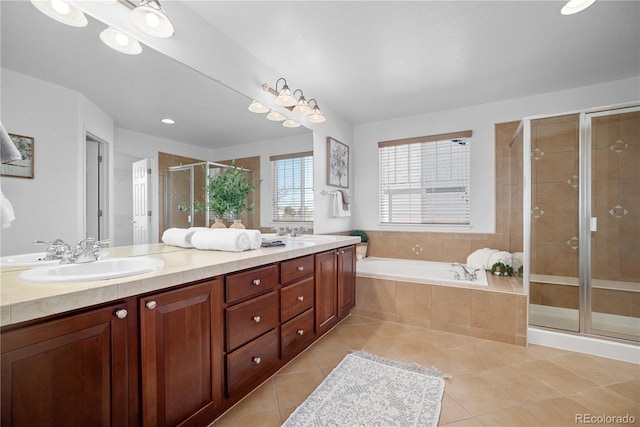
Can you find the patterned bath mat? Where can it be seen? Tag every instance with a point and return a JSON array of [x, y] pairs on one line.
[[368, 390]]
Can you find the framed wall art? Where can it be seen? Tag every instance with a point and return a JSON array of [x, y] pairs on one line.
[[337, 163], [22, 168]]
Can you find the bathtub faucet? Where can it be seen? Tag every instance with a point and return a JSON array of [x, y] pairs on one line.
[[468, 275]]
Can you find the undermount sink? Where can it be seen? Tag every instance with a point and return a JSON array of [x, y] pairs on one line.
[[32, 260], [98, 270]]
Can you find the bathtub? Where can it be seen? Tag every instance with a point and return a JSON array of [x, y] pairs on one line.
[[406, 270]]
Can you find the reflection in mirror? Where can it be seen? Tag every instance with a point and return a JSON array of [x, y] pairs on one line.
[[60, 83]]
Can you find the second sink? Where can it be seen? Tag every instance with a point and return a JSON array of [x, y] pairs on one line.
[[99, 270]]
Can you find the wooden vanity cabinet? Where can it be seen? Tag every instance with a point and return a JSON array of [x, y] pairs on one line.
[[297, 300], [181, 355], [335, 286], [69, 371]]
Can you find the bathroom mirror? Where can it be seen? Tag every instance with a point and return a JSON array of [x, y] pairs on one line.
[[137, 91]]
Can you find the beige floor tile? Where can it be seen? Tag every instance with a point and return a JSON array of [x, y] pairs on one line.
[[303, 362], [604, 401], [518, 416], [559, 411], [519, 386], [269, 419], [293, 389], [263, 399], [561, 379], [629, 389], [477, 396], [600, 370], [471, 422], [452, 411]]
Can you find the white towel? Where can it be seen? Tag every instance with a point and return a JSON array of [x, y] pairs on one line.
[[8, 150], [499, 256], [7, 215], [339, 209], [480, 258], [255, 238], [222, 239], [178, 237]]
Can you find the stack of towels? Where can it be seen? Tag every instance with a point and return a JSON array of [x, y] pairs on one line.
[[485, 258], [213, 239]]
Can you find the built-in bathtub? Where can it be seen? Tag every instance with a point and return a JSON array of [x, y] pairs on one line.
[[431, 272], [426, 294]]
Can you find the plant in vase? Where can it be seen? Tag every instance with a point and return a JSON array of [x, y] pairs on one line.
[[228, 192], [361, 248]]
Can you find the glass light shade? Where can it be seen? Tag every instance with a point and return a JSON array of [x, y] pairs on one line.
[[302, 107], [285, 98], [167, 121], [119, 41], [316, 116], [290, 123], [575, 6], [274, 116], [256, 107], [62, 12], [150, 18]]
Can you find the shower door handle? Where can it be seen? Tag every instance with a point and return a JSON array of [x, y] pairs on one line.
[[594, 223]]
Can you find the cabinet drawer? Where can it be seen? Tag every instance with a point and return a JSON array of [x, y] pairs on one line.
[[252, 282], [251, 361], [250, 319], [296, 269], [296, 298], [296, 333]]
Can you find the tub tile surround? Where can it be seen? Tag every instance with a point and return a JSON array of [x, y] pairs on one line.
[[498, 313]]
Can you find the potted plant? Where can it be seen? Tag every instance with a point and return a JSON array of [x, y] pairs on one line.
[[228, 192], [361, 248]]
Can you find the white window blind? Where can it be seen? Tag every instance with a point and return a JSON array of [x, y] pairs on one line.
[[292, 187], [425, 180]]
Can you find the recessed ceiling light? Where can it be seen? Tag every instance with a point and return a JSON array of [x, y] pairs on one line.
[[168, 121]]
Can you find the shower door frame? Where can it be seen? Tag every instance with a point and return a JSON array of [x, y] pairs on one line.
[[584, 212]]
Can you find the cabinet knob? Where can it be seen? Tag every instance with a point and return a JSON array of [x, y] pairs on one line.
[[257, 319], [300, 298], [122, 313], [256, 360], [256, 282], [301, 268], [342, 252], [300, 331], [151, 305]]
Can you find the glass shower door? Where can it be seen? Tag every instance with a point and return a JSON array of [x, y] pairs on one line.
[[614, 221]]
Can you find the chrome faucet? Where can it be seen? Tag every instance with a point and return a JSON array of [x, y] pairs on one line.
[[86, 250], [468, 275], [295, 232], [280, 231], [55, 249]]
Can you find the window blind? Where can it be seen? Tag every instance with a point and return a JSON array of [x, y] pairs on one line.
[[292, 187], [425, 180]]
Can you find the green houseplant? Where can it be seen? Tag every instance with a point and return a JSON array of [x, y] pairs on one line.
[[361, 248], [228, 192]]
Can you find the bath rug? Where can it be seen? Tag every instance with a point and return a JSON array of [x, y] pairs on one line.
[[369, 390]]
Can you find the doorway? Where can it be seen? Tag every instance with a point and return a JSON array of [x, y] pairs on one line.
[[96, 188]]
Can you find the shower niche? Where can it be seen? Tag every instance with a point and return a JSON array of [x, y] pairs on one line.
[[185, 186]]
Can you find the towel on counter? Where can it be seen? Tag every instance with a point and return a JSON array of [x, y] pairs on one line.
[[480, 258], [8, 150], [222, 239], [7, 214], [255, 238], [339, 208], [177, 237]]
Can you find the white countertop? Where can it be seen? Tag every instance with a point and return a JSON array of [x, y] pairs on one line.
[[21, 301]]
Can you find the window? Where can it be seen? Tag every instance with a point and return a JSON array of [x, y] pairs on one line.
[[292, 187], [425, 180]]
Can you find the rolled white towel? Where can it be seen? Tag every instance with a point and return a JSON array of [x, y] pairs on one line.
[[479, 258], [221, 239], [255, 237], [177, 237], [499, 256], [7, 214], [190, 233]]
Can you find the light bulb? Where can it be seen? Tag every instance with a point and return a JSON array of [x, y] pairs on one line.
[[60, 6]]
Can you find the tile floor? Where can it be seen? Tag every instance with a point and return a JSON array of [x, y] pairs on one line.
[[494, 384]]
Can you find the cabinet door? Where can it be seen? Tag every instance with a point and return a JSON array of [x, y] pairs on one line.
[[346, 280], [67, 372], [326, 291], [181, 346]]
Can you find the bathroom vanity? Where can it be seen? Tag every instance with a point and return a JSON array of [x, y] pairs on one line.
[[174, 347]]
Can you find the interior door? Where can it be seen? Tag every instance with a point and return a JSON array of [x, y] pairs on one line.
[[141, 202]]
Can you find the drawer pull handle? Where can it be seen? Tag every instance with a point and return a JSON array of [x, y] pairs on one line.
[[300, 298], [300, 331], [256, 360], [256, 282], [257, 319], [151, 305], [121, 314], [301, 268]]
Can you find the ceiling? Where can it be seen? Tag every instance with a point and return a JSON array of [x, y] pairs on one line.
[[365, 60], [375, 60]]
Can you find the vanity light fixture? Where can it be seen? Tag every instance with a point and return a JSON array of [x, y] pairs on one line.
[[256, 107], [575, 6], [301, 107], [316, 115], [151, 19], [285, 97], [168, 121], [290, 123], [119, 41], [275, 116], [62, 12]]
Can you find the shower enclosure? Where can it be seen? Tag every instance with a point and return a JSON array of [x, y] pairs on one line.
[[581, 221], [186, 187]]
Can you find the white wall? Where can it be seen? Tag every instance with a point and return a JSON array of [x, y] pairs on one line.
[[480, 119]]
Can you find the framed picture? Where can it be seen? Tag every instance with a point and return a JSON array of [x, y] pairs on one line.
[[337, 163], [22, 168]]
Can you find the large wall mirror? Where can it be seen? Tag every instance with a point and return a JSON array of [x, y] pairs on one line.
[[65, 88]]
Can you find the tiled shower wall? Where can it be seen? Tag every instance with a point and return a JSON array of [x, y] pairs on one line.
[[455, 247]]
